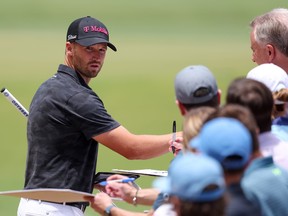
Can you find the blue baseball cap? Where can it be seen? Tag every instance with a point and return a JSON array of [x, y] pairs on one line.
[[189, 175], [225, 139], [195, 84]]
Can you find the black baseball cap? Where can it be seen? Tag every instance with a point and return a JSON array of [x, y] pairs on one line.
[[88, 31]]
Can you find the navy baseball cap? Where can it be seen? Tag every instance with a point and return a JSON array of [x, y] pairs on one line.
[[225, 139], [195, 84], [189, 177], [88, 31]]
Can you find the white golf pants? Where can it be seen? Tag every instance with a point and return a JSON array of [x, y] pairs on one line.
[[29, 207]]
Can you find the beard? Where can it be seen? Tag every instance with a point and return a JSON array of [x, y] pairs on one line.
[[88, 70]]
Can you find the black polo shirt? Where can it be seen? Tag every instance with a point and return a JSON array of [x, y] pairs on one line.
[[64, 115]]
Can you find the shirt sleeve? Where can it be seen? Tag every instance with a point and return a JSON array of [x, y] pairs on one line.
[[90, 115]]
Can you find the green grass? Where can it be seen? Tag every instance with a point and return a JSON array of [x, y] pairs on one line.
[[155, 39]]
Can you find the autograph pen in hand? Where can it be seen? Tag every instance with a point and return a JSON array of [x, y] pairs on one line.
[[126, 180], [173, 136]]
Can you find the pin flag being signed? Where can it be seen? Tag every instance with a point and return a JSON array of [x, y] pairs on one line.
[[15, 102]]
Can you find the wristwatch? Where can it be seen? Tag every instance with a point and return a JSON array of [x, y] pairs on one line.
[[107, 211]]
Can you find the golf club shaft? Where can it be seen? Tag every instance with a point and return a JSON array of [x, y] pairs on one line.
[[15, 102]]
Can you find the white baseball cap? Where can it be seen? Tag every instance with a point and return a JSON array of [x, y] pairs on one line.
[[273, 76]]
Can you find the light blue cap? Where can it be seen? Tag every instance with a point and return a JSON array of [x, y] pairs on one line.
[[188, 177], [225, 139]]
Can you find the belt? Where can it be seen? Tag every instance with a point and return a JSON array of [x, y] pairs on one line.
[[82, 207]]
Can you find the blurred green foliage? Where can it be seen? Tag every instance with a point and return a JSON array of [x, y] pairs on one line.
[[155, 40]]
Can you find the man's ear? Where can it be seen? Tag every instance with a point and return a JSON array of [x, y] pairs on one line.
[[68, 48], [176, 202], [181, 108], [219, 93], [271, 52]]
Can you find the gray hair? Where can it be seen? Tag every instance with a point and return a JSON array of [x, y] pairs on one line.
[[272, 28]]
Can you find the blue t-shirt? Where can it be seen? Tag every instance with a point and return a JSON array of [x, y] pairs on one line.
[[265, 183], [280, 121], [238, 204]]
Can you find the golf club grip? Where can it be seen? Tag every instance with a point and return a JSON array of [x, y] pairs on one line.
[[15, 102]]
